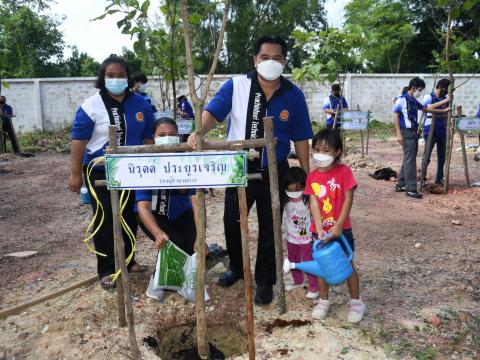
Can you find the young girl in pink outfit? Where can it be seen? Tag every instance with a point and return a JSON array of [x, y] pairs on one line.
[[296, 223], [331, 185]]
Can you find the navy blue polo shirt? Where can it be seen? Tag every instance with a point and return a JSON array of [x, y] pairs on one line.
[[478, 111], [148, 99], [334, 103], [440, 127], [287, 107], [185, 106], [135, 119], [7, 109], [170, 203], [407, 108]]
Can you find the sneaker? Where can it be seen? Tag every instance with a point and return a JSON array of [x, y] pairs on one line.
[[157, 294], [313, 295], [290, 287], [357, 309], [400, 188], [414, 194], [321, 309]]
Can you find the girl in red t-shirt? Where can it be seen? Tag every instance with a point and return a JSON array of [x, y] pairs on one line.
[[331, 185]]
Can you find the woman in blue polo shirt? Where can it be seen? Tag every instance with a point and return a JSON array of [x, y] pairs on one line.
[[116, 105]]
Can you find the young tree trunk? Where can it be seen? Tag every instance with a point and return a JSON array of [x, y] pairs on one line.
[[198, 102], [450, 129]]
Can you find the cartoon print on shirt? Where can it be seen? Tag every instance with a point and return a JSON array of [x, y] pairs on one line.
[[300, 224], [334, 188], [319, 190]]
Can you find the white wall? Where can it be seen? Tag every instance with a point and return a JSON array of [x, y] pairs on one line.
[[49, 104]]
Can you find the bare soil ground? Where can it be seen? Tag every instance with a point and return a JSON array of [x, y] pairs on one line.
[[418, 261]]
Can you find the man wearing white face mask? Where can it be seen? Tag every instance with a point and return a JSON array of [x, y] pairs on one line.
[[406, 125], [245, 100]]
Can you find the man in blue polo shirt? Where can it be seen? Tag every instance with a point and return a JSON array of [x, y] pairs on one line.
[[406, 125], [436, 100], [333, 105], [6, 113], [246, 99]]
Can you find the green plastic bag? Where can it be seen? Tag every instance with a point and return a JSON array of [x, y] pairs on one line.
[[176, 270]]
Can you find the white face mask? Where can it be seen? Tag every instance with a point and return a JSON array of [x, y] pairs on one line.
[[270, 69], [294, 194], [418, 93], [142, 88], [163, 140], [323, 160]]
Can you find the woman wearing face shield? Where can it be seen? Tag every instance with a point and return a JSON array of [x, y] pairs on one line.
[[167, 215], [113, 104]]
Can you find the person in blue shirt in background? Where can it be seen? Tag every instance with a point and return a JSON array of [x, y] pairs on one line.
[[406, 125], [6, 113], [478, 111], [184, 109], [246, 100], [436, 100], [333, 105], [167, 215], [140, 81], [113, 104]]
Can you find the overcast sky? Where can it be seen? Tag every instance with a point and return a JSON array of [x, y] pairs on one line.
[[102, 38]]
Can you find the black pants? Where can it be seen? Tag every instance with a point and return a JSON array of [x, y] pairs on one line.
[[408, 171], [7, 127], [258, 191], [182, 231], [103, 239]]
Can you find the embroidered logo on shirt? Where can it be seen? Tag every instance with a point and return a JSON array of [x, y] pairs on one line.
[[284, 115], [139, 116]]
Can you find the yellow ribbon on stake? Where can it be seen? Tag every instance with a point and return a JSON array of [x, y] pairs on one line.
[[123, 204]]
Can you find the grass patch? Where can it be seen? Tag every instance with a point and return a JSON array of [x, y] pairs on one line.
[[41, 141]]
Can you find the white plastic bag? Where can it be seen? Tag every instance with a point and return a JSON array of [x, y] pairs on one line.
[[176, 270]]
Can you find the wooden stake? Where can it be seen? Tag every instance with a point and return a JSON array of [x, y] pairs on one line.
[[363, 147], [217, 145], [120, 253], [120, 260], [247, 274], [464, 156], [17, 309], [122, 322], [449, 140], [277, 222]]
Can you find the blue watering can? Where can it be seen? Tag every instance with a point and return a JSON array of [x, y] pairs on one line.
[[329, 262]]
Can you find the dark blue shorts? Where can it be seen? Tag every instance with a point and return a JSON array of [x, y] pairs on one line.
[[348, 233]]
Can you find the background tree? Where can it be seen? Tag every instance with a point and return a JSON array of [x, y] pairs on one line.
[[80, 64], [330, 53], [251, 19], [32, 44], [387, 29], [158, 41]]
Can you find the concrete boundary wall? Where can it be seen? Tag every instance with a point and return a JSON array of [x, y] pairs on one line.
[[50, 103]]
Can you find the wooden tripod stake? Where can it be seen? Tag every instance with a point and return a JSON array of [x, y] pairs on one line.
[[277, 221], [124, 306], [247, 274]]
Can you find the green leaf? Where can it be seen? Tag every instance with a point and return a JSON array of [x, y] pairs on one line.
[[344, 350], [145, 6]]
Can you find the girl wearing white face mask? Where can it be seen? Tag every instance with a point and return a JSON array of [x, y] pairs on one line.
[[331, 185], [296, 223]]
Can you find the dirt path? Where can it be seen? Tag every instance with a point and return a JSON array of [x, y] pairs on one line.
[[418, 262]]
